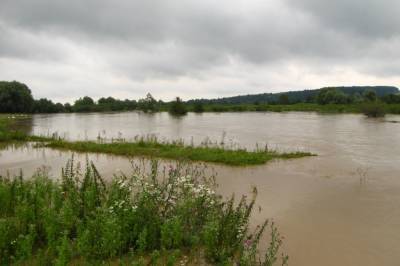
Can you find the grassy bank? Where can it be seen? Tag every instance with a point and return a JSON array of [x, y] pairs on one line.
[[177, 151], [170, 217], [299, 107]]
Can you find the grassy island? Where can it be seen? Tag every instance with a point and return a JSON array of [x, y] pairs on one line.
[[177, 151]]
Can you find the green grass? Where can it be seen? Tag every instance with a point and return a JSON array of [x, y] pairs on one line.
[[238, 157], [6, 134], [142, 218]]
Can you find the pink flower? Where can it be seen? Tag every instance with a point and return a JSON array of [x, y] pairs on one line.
[[247, 243]]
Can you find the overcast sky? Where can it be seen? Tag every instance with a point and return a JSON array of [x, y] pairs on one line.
[[206, 48]]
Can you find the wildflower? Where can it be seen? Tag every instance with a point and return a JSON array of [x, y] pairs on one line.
[[247, 243], [171, 200], [122, 185]]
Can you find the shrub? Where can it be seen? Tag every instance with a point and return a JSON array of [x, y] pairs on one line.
[[177, 107], [198, 107], [373, 109]]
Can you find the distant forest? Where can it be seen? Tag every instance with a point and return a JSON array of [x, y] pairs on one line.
[[16, 97], [304, 96]]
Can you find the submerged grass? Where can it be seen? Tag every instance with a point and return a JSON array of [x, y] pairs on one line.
[[177, 151], [7, 134], [169, 216]]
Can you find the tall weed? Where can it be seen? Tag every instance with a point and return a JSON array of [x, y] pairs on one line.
[[161, 215]]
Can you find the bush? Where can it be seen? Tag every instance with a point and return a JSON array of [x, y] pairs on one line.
[[373, 110], [144, 214], [198, 107], [177, 107]]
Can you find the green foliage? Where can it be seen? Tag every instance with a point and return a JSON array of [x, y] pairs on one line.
[[148, 104], [177, 107], [305, 96], [171, 234], [370, 95], [332, 96], [15, 97], [161, 215], [85, 104], [6, 133], [111, 104], [68, 108], [373, 109], [155, 256], [391, 98], [178, 150], [64, 251], [198, 107], [47, 106], [284, 98]]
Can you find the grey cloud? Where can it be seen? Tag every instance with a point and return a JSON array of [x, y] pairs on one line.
[[18, 43], [143, 24], [369, 18], [157, 40]]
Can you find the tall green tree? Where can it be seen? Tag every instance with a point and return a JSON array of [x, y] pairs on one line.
[[148, 104], [44, 105], [15, 97], [177, 107], [85, 104], [370, 96]]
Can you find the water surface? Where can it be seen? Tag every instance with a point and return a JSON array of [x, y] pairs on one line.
[[339, 208]]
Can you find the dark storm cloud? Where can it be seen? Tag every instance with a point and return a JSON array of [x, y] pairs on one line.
[[201, 45], [201, 30]]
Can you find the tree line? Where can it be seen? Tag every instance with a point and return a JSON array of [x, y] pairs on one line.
[[304, 96], [16, 97]]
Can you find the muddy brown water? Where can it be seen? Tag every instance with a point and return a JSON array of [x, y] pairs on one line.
[[339, 208]]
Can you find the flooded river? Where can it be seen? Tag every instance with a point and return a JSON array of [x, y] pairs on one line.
[[339, 208]]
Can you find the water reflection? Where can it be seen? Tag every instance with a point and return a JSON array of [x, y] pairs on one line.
[[23, 124]]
